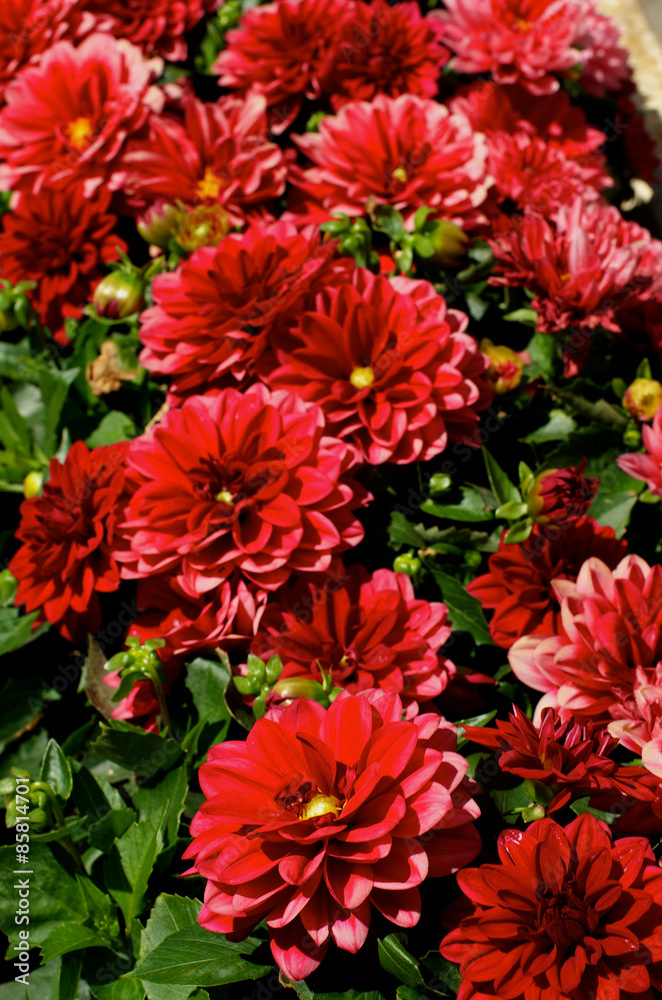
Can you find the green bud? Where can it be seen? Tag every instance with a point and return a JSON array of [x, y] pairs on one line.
[[632, 436], [290, 688], [439, 482], [472, 558], [119, 294], [407, 563]]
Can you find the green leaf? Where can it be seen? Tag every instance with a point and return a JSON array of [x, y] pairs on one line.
[[386, 219], [55, 770], [394, 958], [559, 427], [507, 800], [121, 989], [511, 510], [477, 720], [476, 306], [20, 703], [199, 957], [529, 317], [164, 799], [408, 993], [130, 864], [170, 914], [110, 828], [207, 681], [73, 825], [519, 531], [580, 806], [644, 369], [471, 508], [542, 351], [613, 509], [446, 972], [133, 748], [54, 386], [16, 630], [501, 485], [403, 532], [68, 937], [55, 895], [465, 612], [113, 428]]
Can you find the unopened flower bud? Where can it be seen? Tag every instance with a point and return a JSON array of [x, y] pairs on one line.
[[505, 371], [157, 224], [290, 688], [204, 226], [407, 563], [119, 294], [642, 398], [559, 496], [450, 244], [32, 484]]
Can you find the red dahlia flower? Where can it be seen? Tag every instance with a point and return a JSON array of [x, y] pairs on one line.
[[67, 118], [566, 915], [281, 51], [215, 318], [317, 816], [232, 481], [609, 625], [367, 629], [219, 155], [382, 49], [154, 25], [649, 465], [638, 719], [517, 41], [68, 534], [75, 238], [381, 360], [567, 757], [404, 151], [519, 582], [560, 496], [604, 63], [28, 28]]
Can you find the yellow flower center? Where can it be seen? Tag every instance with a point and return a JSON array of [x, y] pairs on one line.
[[224, 496], [362, 378], [523, 25], [320, 805], [79, 132], [209, 186], [400, 174]]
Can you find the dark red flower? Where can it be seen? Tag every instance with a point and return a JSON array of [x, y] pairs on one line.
[[566, 915], [384, 361], [321, 815], [384, 49], [570, 759], [154, 25], [219, 155], [519, 582], [560, 496], [67, 119], [367, 629], [68, 536], [75, 238], [28, 28], [239, 481], [403, 151], [214, 319], [281, 51]]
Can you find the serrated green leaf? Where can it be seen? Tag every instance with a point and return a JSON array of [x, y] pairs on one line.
[[54, 385], [170, 914], [394, 958], [199, 957], [464, 611], [130, 864], [17, 630], [69, 937], [139, 751], [110, 828], [56, 771], [164, 798], [55, 896], [446, 972]]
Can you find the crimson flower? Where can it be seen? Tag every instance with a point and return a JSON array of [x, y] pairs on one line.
[[382, 49], [388, 366], [561, 496], [281, 51], [569, 758], [67, 118], [214, 319], [649, 465], [603, 62], [567, 913], [68, 535], [153, 25], [403, 151], [239, 481], [609, 625], [369, 630], [219, 155], [28, 28], [517, 41], [637, 721], [75, 236], [321, 815], [519, 582]]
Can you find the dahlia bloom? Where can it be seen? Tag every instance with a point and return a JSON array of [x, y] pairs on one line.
[[67, 119], [638, 720], [404, 151], [560, 496], [604, 63], [383, 362], [609, 626], [567, 913], [239, 481], [219, 155], [281, 51], [648, 466], [580, 269], [28, 28], [75, 236], [517, 41], [369, 630], [153, 26], [68, 535], [321, 815], [569, 758], [519, 582], [214, 319], [382, 49]]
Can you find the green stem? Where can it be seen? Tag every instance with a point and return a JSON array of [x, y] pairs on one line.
[[160, 697], [67, 842]]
